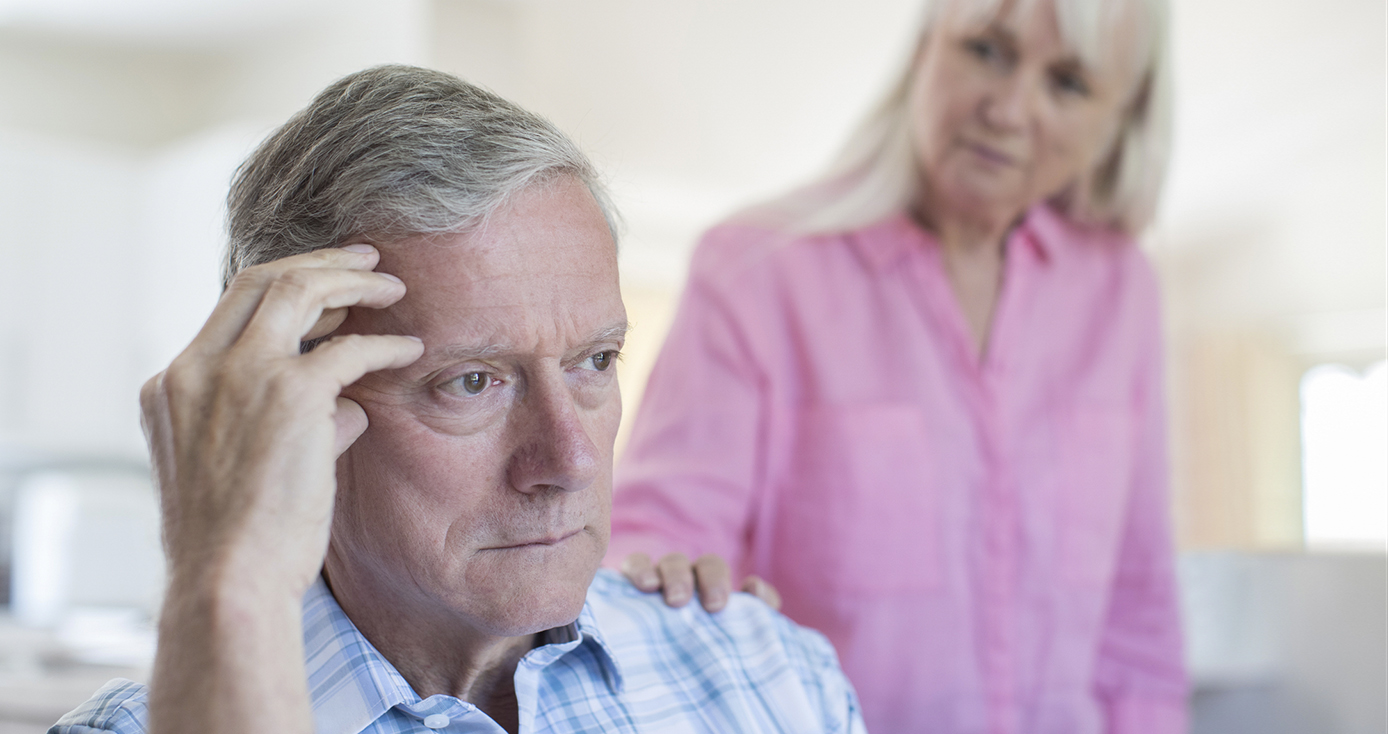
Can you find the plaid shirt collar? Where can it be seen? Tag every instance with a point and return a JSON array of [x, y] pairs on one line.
[[351, 683]]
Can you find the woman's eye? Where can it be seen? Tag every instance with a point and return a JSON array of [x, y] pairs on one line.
[[602, 360], [474, 383], [1070, 82], [983, 48]]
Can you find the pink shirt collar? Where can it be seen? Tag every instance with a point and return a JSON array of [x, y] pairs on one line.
[[881, 244]]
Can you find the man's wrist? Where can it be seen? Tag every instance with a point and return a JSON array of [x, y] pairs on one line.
[[230, 649]]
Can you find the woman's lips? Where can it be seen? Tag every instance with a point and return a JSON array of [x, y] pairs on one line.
[[991, 154]]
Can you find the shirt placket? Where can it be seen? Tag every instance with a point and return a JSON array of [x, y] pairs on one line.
[[1002, 520], [987, 383]]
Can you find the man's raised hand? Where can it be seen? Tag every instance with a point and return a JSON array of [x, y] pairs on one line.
[[244, 430], [244, 433]]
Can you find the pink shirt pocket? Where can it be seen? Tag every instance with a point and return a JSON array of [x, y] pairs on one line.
[[858, 511]]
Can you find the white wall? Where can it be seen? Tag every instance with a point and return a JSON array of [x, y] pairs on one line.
[[123, 128], [117, 142], [1276, 198], [691, 109]]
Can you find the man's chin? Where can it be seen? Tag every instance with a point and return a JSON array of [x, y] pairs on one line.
[[532, 599]]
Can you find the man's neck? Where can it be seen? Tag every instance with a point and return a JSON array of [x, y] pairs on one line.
[[438, 653]]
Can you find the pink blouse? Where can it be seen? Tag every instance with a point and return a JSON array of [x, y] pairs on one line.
[[985, 542]]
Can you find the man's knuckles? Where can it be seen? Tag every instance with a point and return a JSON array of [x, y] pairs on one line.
[[150, 394]]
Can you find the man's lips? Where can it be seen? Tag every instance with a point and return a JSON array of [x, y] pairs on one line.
[[542, 541]]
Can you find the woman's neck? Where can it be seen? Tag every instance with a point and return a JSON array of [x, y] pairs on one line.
[[972, 252]]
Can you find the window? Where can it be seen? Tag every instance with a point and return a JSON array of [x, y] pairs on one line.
[[1344, 440]]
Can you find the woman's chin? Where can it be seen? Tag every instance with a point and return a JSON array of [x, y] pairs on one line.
[[977, 194]]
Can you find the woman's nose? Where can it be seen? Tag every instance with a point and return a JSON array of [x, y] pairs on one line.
[[1009, 103], [553, 448]]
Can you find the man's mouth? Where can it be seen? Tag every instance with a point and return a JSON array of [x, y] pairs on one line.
[[550, 539]]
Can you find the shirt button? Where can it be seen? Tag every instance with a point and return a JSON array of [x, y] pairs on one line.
[[436, 721]]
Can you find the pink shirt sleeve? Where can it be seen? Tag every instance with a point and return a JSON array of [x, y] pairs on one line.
[[686, 479], [1140, 673]]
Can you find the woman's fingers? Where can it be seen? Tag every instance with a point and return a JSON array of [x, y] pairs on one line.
[[758, 587], [245, 292], [714, 580], [639, 570], [676, 579]]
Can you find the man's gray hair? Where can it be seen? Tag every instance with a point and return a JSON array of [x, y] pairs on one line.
[[388, 153]]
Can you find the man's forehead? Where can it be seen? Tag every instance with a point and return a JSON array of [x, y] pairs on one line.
[[539, 274]]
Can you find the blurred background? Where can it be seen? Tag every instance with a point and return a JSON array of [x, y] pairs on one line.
[[121, 122]]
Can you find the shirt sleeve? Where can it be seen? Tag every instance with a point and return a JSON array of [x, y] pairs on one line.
[[823, 679], [841, 711], [686, 480], [1140, 673], [121, 706]]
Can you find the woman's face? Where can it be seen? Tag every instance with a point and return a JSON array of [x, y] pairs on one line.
[[1005, 114]]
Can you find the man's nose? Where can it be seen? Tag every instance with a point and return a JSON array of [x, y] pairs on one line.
[[554, 449]]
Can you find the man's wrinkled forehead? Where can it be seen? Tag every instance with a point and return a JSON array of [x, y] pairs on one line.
[[543, 263]]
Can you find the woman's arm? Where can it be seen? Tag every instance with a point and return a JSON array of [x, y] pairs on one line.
[[1140, 673], [685, 484]]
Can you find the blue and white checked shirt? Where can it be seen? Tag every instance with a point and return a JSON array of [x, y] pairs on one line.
[[628, 664]]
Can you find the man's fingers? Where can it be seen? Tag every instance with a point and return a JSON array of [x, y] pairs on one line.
[[243, 295], [676, 579], [758, 587], [296, 299], [350, 420], [327, 323], [639, 570], [346, 358], [715, 581]]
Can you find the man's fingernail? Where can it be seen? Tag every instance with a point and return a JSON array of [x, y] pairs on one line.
[[650, 580], [407, 336], [360, 247], [388, 276]]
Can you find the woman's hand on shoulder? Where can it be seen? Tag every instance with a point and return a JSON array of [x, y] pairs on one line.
[[677, 579]]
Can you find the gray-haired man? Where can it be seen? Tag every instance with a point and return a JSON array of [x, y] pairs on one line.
[[443, 458]]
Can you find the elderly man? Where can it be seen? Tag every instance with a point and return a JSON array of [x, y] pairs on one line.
[[397, 528]]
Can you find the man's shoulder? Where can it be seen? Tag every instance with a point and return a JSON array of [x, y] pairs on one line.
[[120, 706], [783, 672], [628, 616]]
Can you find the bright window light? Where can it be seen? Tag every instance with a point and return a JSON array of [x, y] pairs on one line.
[[1344, 444]]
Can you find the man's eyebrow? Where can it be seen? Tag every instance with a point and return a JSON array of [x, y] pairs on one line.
[[608, 335], [614, 333], [466, 352]]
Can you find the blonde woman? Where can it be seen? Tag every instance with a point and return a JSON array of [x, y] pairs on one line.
[[922, 398]]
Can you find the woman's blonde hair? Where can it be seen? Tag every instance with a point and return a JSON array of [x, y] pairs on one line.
[[875, 175]]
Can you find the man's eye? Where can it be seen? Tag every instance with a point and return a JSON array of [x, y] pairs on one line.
[[474, 383], [602, 360]]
